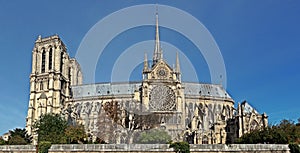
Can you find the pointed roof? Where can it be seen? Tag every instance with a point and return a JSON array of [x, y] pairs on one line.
[[43, 96], [157, 55]]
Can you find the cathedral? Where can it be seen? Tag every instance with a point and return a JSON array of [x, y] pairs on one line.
[[116, 112]]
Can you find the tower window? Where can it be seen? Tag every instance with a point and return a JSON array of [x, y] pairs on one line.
[[69, 74], [43, 61], [50, 59], [61, 61], [41, 85]]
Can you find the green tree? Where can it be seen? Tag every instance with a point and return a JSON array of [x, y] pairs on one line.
[[291, 129], [51, 128], [266, 135], [19, 137], [285, 132], [154, 136], [75, 134]]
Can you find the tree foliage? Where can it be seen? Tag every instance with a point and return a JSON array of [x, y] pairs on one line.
[[44, 146], [55, 129], [154, 136], [2, 142], [51, 128], [285, 132], [294, 148], [181, 147], [267, 135], [19, 137], [106, 127], [75, 134], [113, 116], [17, 140], [113, 111]]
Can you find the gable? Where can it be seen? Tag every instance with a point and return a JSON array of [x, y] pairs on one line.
[[161, 70]]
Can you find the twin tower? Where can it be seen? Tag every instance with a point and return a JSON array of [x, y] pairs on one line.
[[53, 73]]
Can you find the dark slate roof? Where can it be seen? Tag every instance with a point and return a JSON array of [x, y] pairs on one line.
[[105, 89], [202, 89]]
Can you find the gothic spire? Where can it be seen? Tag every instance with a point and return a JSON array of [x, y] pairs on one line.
[[157, 50], [145, 63], [177, 68]]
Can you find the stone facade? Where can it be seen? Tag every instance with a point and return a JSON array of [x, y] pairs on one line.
[[195, 112], [53, 73]]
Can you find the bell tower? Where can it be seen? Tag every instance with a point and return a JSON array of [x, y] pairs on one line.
[[50, 79]]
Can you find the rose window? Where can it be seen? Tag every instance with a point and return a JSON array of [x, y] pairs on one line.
[[162, 98]]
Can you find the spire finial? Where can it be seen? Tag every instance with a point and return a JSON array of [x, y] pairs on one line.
[[157, 50]]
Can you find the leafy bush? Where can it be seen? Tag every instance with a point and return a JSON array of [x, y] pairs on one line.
[[181, 147], [154, 136], [2, 142], [17, 140], [44, 146], [294, 148], [19, 137], [75, 134]]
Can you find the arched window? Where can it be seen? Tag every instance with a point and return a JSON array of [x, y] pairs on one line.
[[50, 59], [43, 61], [69, 73], [254, 125], [41, 85], [205, 140]]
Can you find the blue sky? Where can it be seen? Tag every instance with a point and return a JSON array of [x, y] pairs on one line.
[[259, 42]]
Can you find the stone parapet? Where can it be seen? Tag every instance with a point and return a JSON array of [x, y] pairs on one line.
[[17, 149], [164, 148], [241, 148], [111, 148]]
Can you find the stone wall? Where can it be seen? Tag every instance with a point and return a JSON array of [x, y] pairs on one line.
[[164, 148], [149, 148], [241, 148], [17, 149]]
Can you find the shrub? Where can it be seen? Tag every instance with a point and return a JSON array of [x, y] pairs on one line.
[[181, 147], [154, 136], [44, 146], [294, 148]]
